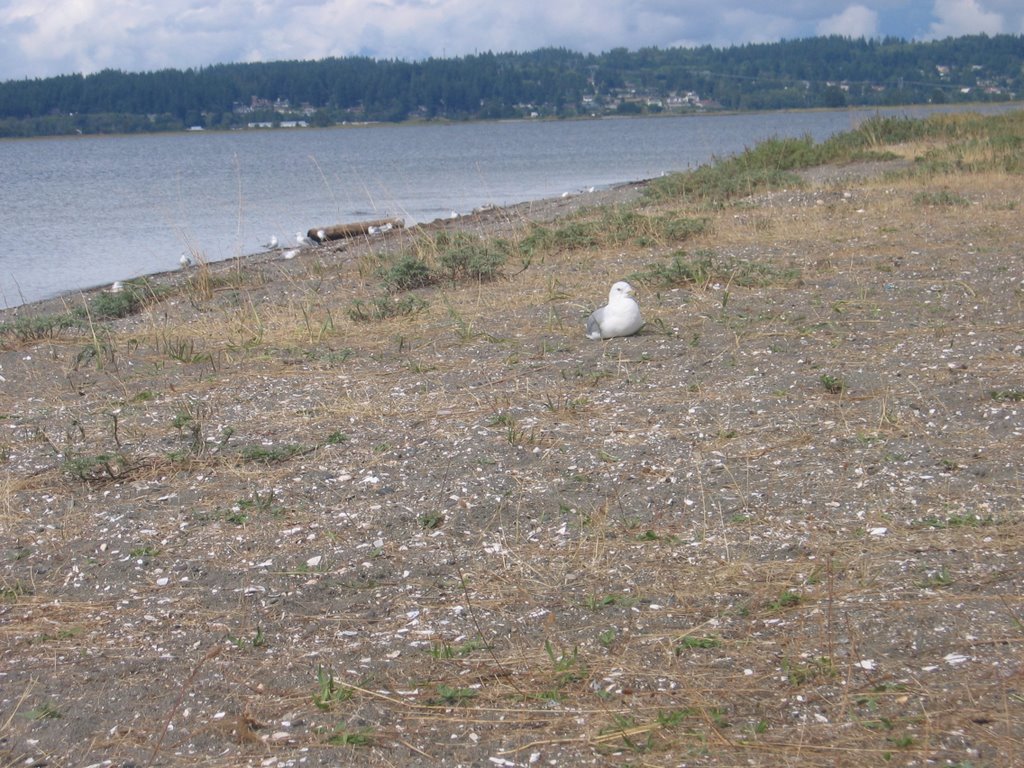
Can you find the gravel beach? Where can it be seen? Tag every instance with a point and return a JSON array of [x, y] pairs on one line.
[[254, 524]]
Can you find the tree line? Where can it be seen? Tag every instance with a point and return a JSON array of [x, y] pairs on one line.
[[828, 71]]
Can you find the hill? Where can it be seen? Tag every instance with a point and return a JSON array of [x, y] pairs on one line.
[[816, 72]]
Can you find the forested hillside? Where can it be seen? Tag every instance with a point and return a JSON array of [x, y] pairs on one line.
[[814, 72]]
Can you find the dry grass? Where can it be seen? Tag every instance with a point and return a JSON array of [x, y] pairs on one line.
[[781, 526]]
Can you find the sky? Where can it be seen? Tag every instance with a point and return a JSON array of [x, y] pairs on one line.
[[42, 38]]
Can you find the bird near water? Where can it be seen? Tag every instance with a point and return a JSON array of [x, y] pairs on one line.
[[619, 317]]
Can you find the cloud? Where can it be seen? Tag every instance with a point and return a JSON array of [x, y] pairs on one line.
[[855, 21], [964, 17], [61, 36]]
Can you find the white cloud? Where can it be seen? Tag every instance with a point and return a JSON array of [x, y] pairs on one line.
[[855, 21], [39, 39], [964, 17]]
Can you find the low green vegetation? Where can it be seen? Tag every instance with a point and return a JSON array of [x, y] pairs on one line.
[[705, 268], [463, 256], [612, 225], [941, 198], [965, 142], [385, 307], [133, 296], [329, 691], [32, 328], [834, 385]]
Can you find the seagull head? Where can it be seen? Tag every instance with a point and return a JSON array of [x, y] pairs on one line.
[[619, 290]]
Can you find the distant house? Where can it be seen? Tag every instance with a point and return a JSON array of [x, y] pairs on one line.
[[282, 124]]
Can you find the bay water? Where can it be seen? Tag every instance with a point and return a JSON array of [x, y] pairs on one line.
[[77, 212]]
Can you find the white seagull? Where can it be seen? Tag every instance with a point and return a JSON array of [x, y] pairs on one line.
[[272, 243], [185, 261], [619, 317], [304, 240]]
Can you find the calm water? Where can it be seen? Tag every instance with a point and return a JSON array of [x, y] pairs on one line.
[[82, 211]]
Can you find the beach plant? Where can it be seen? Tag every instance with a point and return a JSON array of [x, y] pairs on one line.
[[96, 467], [705, 267], [443, 650], [111, 305], [690, 643], [572, 236], [258, 640], [834, 385], [673, 228], [342, 736], [607, 637], [385, 307], [941, 198], [800, 673], [182, 349], [464, 256], [32, 328], [680, 271], [618, 225], [768, 165], [407, 273], [328, 691], [430, 521], [1007, 395], [568, 666], [44, 711], [273, 454], [970, 142], [786, 599], [450, 696]]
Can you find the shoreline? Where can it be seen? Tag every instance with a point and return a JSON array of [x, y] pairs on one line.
[[487, 222]]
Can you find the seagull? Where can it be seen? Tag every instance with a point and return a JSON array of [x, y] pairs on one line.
[[185, 261], [304, 240], [291, 254], [321, 235], [272, 243], [117, 287], [619, 317]]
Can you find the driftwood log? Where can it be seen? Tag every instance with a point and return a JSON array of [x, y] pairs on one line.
[[355, 229]]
